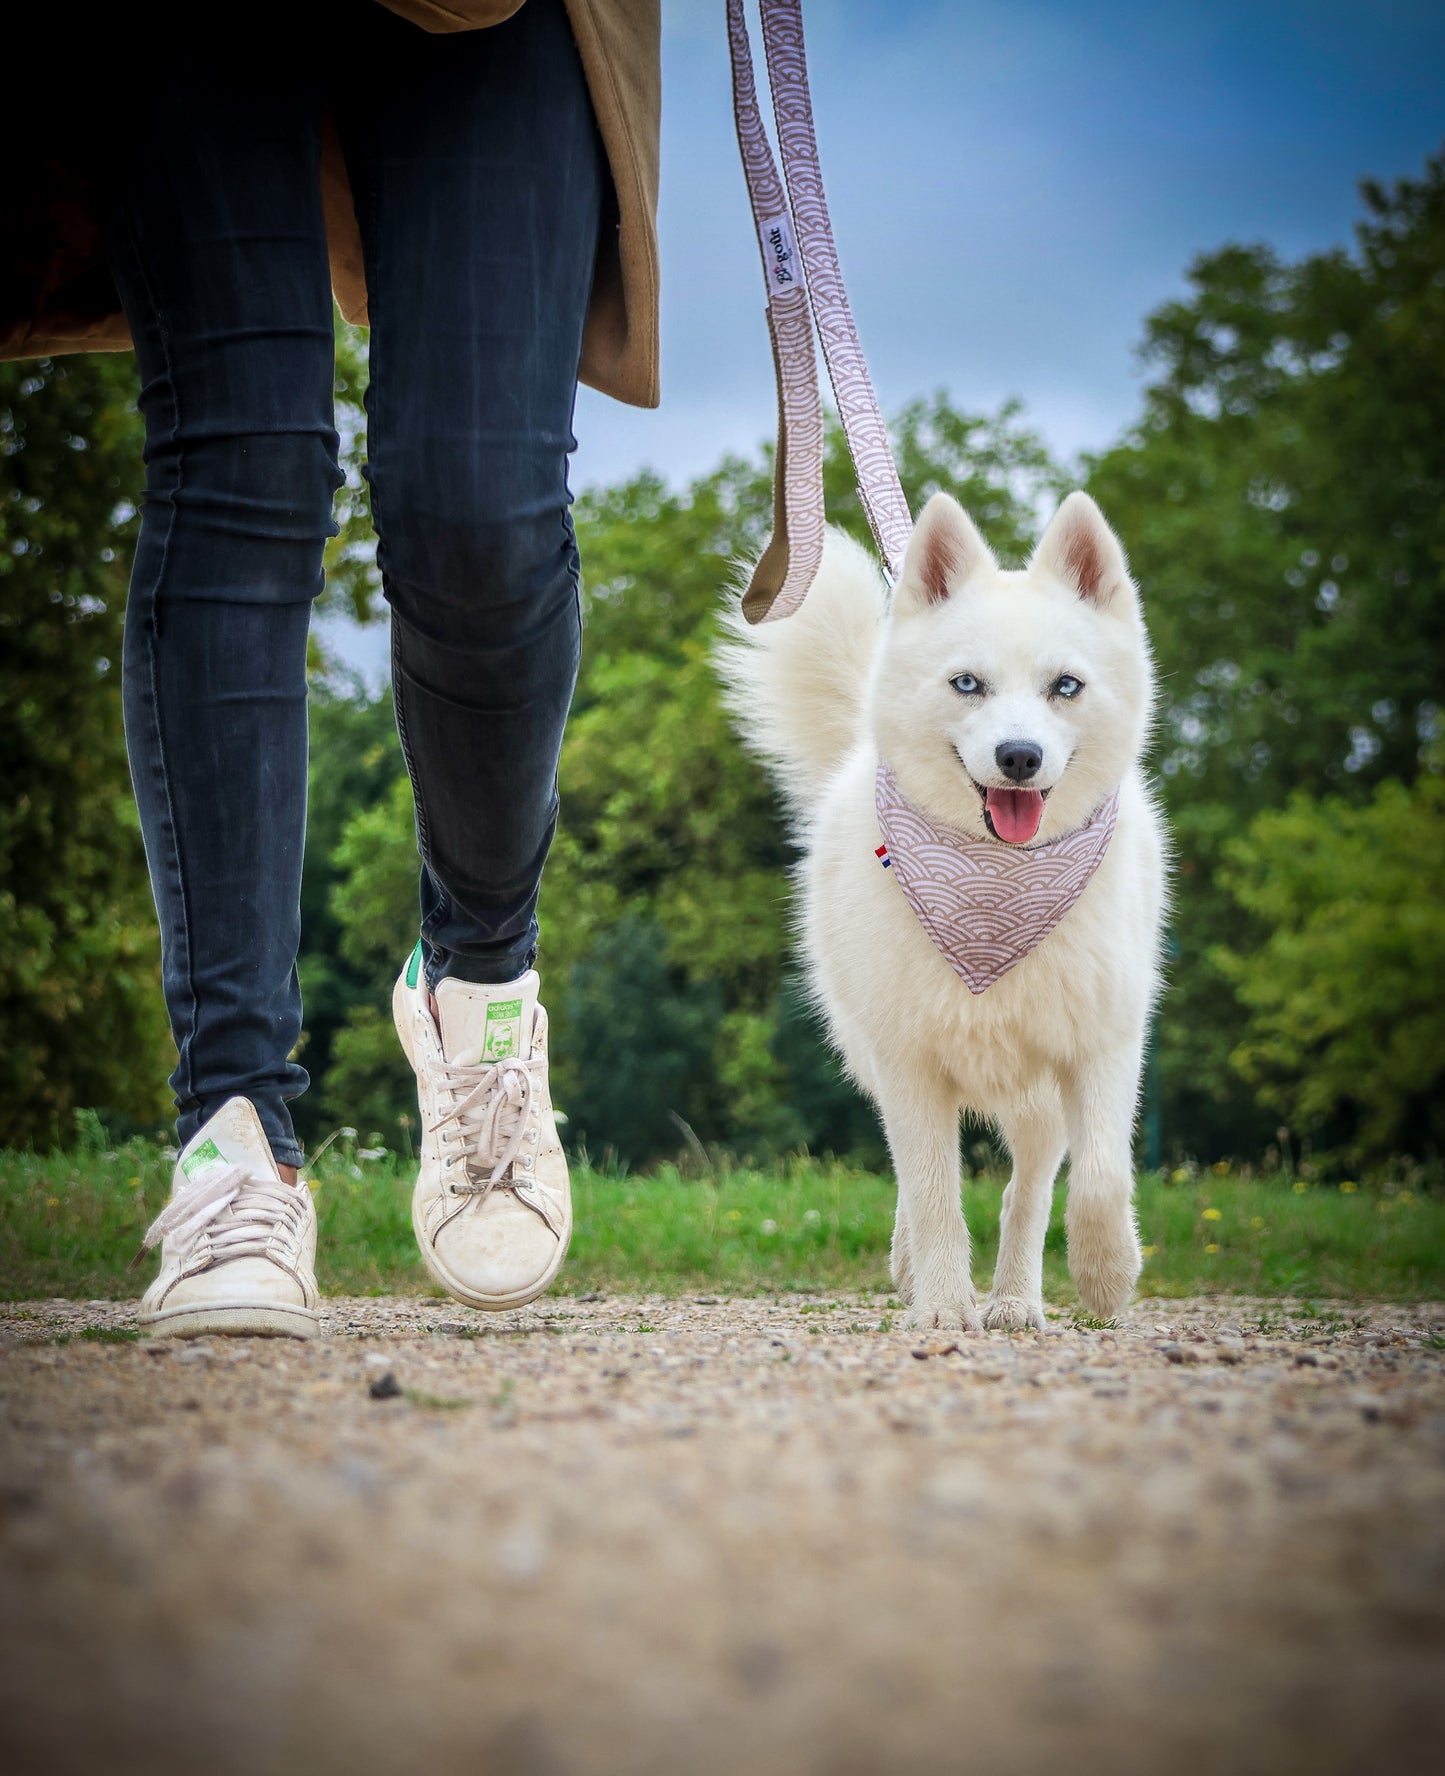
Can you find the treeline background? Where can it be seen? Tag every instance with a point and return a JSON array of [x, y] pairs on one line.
[[1281, 499]]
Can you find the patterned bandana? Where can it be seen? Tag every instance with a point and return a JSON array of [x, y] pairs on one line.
[[985, 904]]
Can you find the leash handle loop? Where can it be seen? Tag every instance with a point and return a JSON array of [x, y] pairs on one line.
[[789, 564], [791, 560], [878, 483]]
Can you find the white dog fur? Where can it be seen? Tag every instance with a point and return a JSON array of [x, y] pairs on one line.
[[1051, 1052]]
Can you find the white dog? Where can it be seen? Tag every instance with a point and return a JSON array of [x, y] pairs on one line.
[[1009, 711]]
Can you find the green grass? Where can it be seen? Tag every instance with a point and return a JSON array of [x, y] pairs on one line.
[[69, 1225]]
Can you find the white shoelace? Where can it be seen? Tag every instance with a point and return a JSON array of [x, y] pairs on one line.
[[255, 1208], [488, 1125]]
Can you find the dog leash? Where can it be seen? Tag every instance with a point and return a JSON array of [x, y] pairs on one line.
[[805, 289], [984, 906]]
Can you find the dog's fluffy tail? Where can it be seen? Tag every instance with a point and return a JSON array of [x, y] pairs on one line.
[[795, 687]]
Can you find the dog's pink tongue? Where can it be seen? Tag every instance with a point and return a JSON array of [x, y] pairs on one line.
[[1015, 813]]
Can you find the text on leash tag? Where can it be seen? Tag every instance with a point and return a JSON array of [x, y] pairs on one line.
[[780, 252]]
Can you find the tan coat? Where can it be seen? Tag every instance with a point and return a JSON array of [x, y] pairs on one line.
[[56, 294]]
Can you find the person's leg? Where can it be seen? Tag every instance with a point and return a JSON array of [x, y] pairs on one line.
[[479, 177], [219, 251]]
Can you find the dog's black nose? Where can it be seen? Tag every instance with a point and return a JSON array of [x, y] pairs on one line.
[[1019, 759]]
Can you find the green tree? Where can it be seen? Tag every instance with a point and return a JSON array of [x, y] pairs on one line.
[[79, 954], [373, 901], [1346, 996], [1282, 499], [353, 580], [667, 826], [664, 817], [79, 957], [355, 764], [647, 1038]]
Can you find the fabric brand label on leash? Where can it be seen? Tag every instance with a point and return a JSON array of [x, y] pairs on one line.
[[985, 904], [780, 251]]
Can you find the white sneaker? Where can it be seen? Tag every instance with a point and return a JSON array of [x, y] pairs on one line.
[[492, 1207], [238, 1243]]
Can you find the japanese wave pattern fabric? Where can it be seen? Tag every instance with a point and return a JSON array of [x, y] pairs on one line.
[[986, 904]]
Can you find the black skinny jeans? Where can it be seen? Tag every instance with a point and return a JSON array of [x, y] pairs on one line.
[[478, 178]]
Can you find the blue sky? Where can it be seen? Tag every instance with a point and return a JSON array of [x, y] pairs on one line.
[[1014, 185]]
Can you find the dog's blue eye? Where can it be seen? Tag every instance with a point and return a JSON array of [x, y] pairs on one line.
[[1067, 685], [967, 685]]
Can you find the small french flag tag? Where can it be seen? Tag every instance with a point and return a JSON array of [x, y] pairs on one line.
[[882, 855]]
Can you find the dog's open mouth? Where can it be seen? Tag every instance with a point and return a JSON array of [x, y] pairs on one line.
[[1012, 815]]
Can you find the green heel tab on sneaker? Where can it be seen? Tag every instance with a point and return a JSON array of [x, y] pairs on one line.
[[413, 967], [203, 1159]]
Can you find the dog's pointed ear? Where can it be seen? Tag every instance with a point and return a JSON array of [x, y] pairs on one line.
[[1079, 549], [944, 552]]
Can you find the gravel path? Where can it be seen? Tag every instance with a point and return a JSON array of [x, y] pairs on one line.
[[684, 1538]]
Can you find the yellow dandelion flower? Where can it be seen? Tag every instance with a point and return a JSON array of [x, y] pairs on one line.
[[1181, 1176], [1148, 1251], [1211, 1214], [1349, 1187], [52, 1202], [1220, 1168], [1211, 1248], [1300, 1187], [1407, 1196], [1256, 1221]]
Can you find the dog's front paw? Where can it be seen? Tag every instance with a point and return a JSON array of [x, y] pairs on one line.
[[1011, 1313], [948, 1316], [1105, 1260]]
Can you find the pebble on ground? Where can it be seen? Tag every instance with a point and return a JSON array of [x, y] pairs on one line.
[[696, 1537]]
